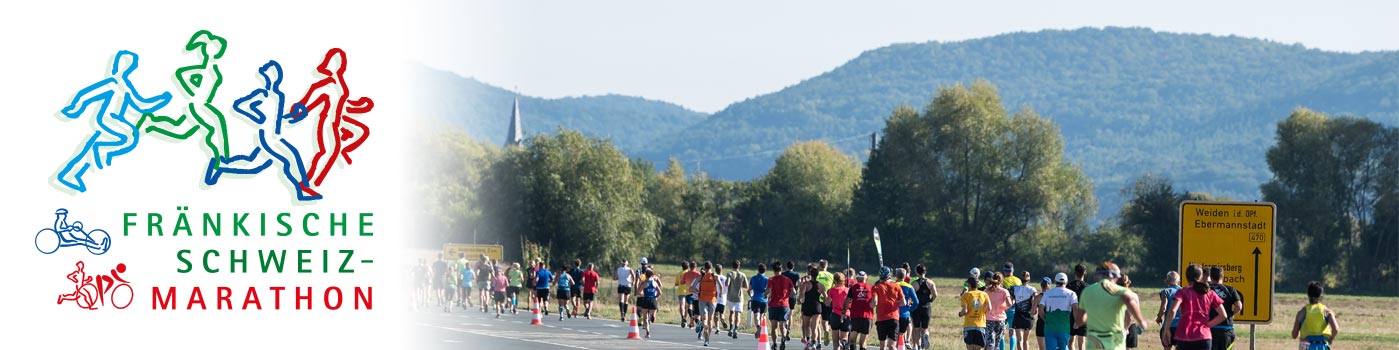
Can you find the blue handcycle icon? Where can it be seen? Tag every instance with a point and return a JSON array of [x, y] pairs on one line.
[[63, 234]]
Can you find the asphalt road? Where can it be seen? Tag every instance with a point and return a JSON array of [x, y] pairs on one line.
[[471, 329]]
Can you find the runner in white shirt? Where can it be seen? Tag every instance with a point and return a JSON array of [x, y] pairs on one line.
[[624, 283], [723, 297]]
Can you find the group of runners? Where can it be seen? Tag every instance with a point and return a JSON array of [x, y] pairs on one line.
[[488, 285], [839, 310]]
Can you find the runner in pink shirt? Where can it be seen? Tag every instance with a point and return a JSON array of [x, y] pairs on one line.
[[1000, 302], [498, 284], [1194, 305]]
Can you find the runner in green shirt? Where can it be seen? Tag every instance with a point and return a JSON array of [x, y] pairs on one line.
[[1101, 307], [516, 283], [825, 278]]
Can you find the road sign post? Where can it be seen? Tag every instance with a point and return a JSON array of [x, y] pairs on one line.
[[1239, 238]]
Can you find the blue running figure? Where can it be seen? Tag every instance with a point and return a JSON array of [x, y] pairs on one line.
[[270, 141], [115, 135]]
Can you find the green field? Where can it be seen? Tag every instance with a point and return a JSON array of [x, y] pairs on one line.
[[1366, 322]]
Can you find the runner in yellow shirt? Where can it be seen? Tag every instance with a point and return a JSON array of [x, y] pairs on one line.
[[1316, 327], [975, 305]]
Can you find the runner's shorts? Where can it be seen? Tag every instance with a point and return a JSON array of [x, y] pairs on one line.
[[646, 303], [576, 290], [839, 324], [779, 313], [541, 293], [1022, 320], [499, 297], [1173, 341], [589, 296], [1131, 340], [755, 306], [719, 308], [564, 294], [1194, 345], [903, 324], [1080, 331], [886, 329], [974, 336], [1039, 328], [512, 291], [922, 315], [1056, 341], [1314, 343], [1222, 338], [623, 289], [860, 325], [811, 309], [705, 308]]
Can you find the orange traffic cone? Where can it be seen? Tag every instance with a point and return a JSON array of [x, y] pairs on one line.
[[635, 331], [763, 336], [901, 341], [536, 321]]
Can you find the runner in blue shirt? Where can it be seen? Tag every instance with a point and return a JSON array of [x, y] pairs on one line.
[[758, 303], [565, 291], [1167, 300], [906, 310], [542, 278]]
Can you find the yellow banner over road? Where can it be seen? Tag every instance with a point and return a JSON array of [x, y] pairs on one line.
[[1237, 237]]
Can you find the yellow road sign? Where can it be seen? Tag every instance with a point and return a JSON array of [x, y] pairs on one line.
[[452, 251], [1238, 237]]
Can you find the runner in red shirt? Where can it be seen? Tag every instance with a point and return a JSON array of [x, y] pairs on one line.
[[888, 297], [589, 290], [779, 311], [858, 302]]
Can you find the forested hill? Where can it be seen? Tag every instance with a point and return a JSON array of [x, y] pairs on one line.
[[1199, 108], [484, 111]]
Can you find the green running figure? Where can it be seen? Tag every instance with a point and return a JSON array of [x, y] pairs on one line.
[[199, 82]]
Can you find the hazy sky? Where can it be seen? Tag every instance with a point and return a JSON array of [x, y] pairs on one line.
[[705, 55]]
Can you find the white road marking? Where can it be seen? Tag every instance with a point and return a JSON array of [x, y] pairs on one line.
[[497, 335]]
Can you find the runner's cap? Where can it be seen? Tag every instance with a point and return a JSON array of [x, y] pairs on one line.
[[861, 274], [1061, 278], [976, 272], [884, 272], [643, 260], [1047, 280]]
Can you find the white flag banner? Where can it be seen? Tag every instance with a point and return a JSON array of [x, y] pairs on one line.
[[877, 248]]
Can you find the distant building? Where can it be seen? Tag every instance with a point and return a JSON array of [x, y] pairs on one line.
[[517, 133]]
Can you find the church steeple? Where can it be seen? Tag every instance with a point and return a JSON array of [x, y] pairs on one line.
[[517, 133]]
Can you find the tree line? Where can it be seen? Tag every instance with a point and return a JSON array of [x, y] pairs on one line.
[[962, 182]]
